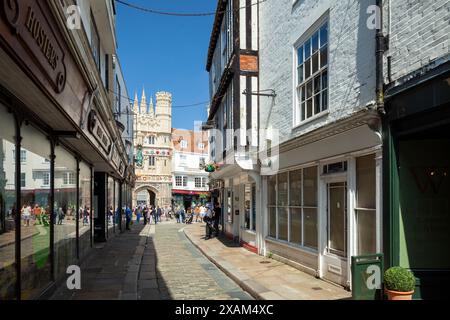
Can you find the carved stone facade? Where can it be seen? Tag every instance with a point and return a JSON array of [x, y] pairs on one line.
[[153, 150]]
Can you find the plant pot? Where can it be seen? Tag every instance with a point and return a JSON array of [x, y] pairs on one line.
[[397, 295]]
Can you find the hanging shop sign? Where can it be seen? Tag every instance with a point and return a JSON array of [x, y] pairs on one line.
[[97, 129], [163, 153], [29, 24]]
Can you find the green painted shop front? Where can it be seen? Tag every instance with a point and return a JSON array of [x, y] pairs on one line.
[[417, 182]]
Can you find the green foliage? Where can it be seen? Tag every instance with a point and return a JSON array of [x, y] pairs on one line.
[[399, 279]]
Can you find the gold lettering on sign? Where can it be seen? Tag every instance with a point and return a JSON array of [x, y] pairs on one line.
[[38, 33]]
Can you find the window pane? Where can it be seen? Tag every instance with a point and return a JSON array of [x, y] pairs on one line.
[[317, 84], [325, 100], [366, 224], [303, 89], [7, 206], [309, 108], [310, 221], [317, 108], [309, 89], [315, 63], [65, 211], [300, 55], [324, 80], [366, 182], [324, 35], [283, 189], [310, 187], [295, 187], [303, 111], [308, 49], [272, 196], [85, 208], [300, 74], [315, 42], [307, 66], [323, 56], [35, 211], [272, 222], [282, 224], [296, 225]]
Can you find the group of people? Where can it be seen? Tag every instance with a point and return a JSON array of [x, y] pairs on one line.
[[188, 215], [151, 213]]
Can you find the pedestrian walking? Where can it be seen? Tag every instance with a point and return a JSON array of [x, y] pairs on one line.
[[26, 215], [145, 213], [138, 214], [128, 216], [159, 213], [154, 215]]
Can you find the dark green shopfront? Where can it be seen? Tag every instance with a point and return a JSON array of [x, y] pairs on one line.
[[417, 180]]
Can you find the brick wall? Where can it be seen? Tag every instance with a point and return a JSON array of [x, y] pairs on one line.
[[420, 34]]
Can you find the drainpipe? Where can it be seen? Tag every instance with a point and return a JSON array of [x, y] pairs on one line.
[[380, 49]]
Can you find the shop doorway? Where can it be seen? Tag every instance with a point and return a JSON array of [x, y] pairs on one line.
[[335, 266]]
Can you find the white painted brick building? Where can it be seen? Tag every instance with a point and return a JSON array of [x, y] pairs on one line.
[[328, 189]]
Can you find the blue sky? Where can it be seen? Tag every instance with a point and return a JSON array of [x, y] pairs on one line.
[[165, 53]]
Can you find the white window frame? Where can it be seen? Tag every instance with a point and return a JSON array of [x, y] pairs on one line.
[[46, 179], [297, 107], [198, 182], [184, 144]]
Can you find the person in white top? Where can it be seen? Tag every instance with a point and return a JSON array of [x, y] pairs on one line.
[[26, 214]]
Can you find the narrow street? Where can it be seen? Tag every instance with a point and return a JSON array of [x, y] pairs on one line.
[[149, 263]]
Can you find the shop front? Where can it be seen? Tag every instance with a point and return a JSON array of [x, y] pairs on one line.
[[323, 206], [417, 184], [189, 199], [49, 151]]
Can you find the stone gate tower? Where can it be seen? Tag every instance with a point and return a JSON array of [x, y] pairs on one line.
[[153, 150]]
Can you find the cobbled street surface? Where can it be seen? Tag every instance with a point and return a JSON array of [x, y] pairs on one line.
[[151, 263]]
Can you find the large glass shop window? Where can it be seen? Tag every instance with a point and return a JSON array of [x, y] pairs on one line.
[[366, 204], [35, 212], [117, 206], [85, 209], [7, 206], [110, 207], [65, 209]]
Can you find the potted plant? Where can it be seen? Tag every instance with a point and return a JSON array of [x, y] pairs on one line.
[[399, 283]]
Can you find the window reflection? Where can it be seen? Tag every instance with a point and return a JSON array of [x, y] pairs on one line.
[[7, 207], [85, 210], [35, 212], [65, 209]]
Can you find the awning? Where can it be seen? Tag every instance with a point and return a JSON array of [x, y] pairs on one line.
[[189, 192]]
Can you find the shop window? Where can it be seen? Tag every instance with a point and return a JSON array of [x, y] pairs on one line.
[[7, 206], [294, 217], [366, 204], [110, 206], [247, 206], [85, 209], [253, 223], [230, 206], [65, 210], [35, 210]]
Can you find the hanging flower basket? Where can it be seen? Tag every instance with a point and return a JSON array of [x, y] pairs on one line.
[[210, 168]]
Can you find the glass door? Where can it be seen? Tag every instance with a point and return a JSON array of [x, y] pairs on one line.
[[337, 218]]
